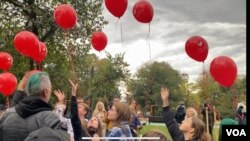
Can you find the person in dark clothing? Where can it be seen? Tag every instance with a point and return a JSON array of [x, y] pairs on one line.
[[31, 113], [94, 124], [180, 113], [191, 129]]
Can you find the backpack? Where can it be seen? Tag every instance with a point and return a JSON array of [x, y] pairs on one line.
[[48, 134]]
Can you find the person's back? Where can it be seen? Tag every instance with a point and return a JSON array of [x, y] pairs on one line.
[[31, 113], [48, 134]]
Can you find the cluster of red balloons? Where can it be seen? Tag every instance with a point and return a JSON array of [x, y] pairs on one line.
[[28, 44], [8, 81], [142, 11], [223, 69]]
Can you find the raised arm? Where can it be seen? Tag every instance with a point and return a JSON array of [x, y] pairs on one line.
[[168, 117]]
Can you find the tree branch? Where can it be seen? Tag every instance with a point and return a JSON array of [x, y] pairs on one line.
[[50, 32], [18, 5]]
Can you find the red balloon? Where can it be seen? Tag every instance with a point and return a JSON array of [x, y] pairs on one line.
[[26, 42], [8, 83], [65, 16], [224, 70], [116, 7], [197, 48], [40, 53], [99, 40], [143, 11], [6, 61]]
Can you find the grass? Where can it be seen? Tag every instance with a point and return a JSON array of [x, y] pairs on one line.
[[160, 128], [163, 129]]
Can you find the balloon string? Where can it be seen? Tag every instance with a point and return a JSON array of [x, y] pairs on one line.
[[117, 23], [7, 102], [203, 68], [148, 39], [148, 31], [121, 34]]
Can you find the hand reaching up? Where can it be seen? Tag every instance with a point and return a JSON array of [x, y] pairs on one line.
[[60, 96], [165, 96], [74, 88]]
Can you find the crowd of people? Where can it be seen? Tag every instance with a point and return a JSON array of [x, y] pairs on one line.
[[31, 118]]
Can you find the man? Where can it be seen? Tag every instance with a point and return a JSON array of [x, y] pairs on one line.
[[32, 112]]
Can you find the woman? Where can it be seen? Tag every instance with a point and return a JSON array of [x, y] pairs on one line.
[[191, 129], [190, 112], [100, 112], [119, 115], [93, 127]]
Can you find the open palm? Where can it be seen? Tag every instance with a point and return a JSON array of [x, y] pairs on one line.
[[164, 93]]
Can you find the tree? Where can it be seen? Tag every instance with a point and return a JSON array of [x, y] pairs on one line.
[[37, 16], [68, 55], [224, 99], [149, 79]]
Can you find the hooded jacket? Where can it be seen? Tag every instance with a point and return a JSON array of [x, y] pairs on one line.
[[29, 114]]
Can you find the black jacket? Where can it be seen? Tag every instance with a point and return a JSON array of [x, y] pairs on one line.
[[29, 114], [172, 125], [79, 132]]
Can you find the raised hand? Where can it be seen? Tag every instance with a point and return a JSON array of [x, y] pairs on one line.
[[74, 87], [60, 96], [165, 96]]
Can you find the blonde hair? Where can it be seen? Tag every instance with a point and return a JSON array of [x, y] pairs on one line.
[[193, 110], [96, 108]]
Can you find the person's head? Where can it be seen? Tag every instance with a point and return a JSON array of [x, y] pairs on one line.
[[39, 85], [132, 109], [116, 100], [79, 100], [22, 84], [155, 134], [100, 106], [190, 112], [119, 112], [83, 109], [133, 103], [88, 102], [139, 114], [94, 126], [194, 128]]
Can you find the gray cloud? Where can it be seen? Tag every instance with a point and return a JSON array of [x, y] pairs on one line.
[[221, 22]]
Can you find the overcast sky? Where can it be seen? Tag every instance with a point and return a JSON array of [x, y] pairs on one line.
[[221, 22]]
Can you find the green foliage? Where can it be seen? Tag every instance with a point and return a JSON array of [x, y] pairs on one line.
[[150, 78], [67, 49], [158, 128], [224, 99]]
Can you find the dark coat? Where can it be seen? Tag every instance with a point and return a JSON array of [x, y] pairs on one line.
[[29, 114]]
